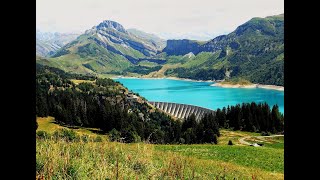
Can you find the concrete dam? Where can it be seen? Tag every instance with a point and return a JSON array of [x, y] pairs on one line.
[[181, 110]]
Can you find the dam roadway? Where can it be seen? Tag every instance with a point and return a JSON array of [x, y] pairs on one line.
[[181, 111]]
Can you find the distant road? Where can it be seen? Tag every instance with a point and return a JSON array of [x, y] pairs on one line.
[[242, 140]]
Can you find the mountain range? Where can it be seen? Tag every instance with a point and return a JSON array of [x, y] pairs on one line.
[[48, 43], [253, 51]]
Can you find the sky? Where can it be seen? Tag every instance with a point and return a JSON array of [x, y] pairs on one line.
[[169, 19]]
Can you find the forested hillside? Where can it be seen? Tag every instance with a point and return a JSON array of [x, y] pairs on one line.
[[254, 51]]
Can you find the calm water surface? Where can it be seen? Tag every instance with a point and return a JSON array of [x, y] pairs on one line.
[[200, 93]]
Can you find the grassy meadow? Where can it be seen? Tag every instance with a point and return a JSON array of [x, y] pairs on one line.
[[89, 155]]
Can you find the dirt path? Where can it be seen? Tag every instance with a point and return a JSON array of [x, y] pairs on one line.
[[244, 142]]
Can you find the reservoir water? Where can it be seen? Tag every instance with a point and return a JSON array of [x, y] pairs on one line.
[[200, 93]]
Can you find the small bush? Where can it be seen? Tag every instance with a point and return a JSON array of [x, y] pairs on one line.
[[215, 139], [263, 133], [85, 138], [98, 139], [68, 135], [230, 142], [43, 135], [182, 141], [114, 135]]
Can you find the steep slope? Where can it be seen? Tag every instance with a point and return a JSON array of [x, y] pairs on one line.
[[254, 51], [105, 48], [48, 43], [182, 47], [153, 39]]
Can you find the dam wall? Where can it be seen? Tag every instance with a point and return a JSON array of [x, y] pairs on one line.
[[181, 111]]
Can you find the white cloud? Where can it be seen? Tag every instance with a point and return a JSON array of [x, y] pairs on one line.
[[176, 17]]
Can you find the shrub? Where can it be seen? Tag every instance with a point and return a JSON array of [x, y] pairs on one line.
[[230, 142], [215, 139], [263, 133], [98, 139], [182, 141], [114, 135], [68, 135], [43, 135], [85, 138]]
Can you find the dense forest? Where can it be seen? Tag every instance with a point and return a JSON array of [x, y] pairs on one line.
[[251, 117], [197, 74], [104, 104]]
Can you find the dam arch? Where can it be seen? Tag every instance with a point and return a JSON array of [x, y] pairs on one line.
[[181, 110]]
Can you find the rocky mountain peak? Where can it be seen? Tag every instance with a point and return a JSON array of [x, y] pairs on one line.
[[111, 24]]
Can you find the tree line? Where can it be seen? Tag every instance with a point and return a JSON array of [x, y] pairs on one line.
[[251, 117]]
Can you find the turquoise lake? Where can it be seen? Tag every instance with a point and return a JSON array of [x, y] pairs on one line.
[[200, 93]]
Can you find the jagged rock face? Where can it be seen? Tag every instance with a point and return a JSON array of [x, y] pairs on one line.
[[111, 24], [110, 33], [181, 47]]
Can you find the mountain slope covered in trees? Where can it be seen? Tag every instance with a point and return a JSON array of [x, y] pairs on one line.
[[254, 51]]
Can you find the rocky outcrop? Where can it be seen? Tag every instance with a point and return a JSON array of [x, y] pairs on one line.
[[112, 25], [185, 46], [182, 47]]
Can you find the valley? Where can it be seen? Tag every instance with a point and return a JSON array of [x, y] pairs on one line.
[[120, 103]]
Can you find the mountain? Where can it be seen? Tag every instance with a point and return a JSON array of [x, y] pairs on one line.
[[158, 42], [48, 43], [107, 48], [254, 51], [182, 47]]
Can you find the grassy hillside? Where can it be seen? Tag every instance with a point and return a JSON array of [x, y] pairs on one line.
[[151, 38], [89, 157]]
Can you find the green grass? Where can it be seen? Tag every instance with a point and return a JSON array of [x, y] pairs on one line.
[[270, 142], [235, 81], [49, 125], [148, 63], [268, 159], [60, 159]]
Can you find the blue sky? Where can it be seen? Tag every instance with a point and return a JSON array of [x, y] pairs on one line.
[[169, 19]]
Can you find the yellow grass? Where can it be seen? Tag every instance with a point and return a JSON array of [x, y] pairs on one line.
[[78, 81], [112, 160], [48, 124], [234, 136], [101, 160]]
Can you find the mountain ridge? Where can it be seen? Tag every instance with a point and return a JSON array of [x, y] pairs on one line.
[[253, 51]]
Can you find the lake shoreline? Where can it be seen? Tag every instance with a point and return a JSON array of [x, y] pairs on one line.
[[216, 83], [263, 86], [172, 78]]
